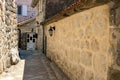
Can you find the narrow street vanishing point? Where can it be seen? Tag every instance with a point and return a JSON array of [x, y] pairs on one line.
[[59, 39]]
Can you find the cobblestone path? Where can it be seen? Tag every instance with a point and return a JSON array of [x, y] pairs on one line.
[[37, 66]]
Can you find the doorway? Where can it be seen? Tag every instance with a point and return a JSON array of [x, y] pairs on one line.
[[31, 41]]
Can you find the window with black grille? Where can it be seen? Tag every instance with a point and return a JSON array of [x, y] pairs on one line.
[[28, 35], [33, 40], [28, 40]]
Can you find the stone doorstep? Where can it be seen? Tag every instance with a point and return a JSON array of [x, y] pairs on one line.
[[15, 72], [60, 75]]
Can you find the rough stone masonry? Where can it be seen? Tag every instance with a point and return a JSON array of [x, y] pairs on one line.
[[86, 45], [8, 34]]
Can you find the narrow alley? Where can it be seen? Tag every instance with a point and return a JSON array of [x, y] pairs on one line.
[[59, 39], [35, 67]]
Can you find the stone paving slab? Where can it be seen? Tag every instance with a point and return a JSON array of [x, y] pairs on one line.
[[33, 66], [14, 73]]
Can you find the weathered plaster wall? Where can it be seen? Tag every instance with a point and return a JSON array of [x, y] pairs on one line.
[[8, 34], [80, 44]]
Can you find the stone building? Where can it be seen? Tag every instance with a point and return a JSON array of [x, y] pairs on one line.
[[40, 6], [8, 34], [27, 27], [25, 11], [82, 37], [26, 24]]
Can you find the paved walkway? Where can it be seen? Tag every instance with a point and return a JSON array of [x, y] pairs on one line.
[[36, 67]]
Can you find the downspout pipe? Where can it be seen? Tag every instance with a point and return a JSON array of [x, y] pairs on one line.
[[43, 50]]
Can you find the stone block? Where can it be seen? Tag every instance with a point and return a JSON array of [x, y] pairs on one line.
[[99, 78], [14, 56], [113, 74], [100, 64], [117, 16], [86, 58], [78, 71], [89, 75], [9, 61], [1, 66], [89, 32], [81, 33], [100, 25], [95, 44]]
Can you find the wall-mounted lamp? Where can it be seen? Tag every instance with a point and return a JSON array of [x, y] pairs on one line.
[[51, 30]]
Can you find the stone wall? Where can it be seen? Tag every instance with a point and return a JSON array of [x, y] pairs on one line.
[[31, 12], [8, 34], [80, 45], [114, 70], [40, 18], [39, 44], [27, 28]]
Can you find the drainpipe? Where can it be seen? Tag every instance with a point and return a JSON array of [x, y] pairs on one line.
[[43, 27], [43, 38]]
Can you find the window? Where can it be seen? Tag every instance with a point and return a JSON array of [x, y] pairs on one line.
[[22, 10], [19, 10], [33, 40], [35, 35], [28, 35], [27, 40]]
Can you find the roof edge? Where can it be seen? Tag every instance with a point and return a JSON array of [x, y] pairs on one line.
[[76, 7], [26, 21]]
